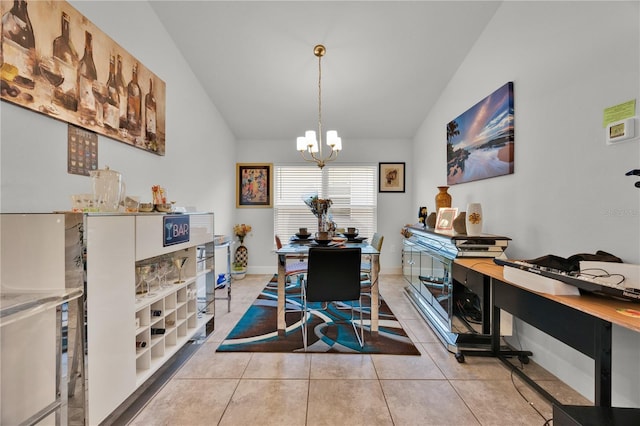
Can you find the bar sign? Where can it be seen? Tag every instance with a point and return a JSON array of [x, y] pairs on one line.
[[176, 229]]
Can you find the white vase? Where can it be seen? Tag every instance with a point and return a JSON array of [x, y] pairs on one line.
[[474, 219]]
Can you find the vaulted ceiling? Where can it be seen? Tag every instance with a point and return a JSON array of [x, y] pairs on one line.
[[386, 64]]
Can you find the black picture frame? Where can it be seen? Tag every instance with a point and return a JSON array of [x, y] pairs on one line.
[[391, 177]]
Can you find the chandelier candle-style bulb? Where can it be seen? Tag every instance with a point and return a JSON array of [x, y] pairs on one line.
[[333, 140], [312, 142], [309, 147], [302, 143]]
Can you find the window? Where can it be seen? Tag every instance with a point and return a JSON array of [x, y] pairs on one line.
[[351, 188]]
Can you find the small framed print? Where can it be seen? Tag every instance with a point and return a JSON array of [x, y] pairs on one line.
[[444, 220], [254, 185], [82, 151], [391, 177]]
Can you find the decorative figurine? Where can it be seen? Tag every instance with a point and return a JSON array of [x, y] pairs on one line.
[[422, 216]]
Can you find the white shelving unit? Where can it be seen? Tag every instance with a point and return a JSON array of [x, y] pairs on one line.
[[173, 310], [117, 319]]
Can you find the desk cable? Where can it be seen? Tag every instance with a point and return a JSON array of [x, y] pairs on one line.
[[516, 335], [513, 367]]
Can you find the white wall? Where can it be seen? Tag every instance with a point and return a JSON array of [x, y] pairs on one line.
[[394, 209], [568, 61], [197, 169]]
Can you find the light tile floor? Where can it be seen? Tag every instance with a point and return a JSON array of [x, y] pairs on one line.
[[334, 389]]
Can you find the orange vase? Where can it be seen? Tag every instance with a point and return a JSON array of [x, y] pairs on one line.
[[443, 198]]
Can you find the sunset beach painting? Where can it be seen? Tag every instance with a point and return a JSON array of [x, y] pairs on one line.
[[480, 142]]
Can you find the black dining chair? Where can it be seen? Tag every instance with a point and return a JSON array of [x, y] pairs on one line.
[[333, 275]]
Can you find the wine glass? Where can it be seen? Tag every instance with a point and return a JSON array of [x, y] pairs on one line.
[[153, 276], [164, 267], [142, 271], [101, 93], [179, 263], [51, 71]]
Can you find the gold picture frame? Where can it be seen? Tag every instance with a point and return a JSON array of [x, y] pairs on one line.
[[254, 185]]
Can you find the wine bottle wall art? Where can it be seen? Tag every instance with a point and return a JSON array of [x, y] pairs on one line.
[[57, 62]]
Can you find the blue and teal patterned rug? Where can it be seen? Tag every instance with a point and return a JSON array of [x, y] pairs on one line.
[[329, 329]]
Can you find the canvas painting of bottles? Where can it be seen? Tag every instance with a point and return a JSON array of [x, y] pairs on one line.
[[56, 62]]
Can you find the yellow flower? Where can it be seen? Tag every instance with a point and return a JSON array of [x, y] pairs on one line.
[[241, 230]]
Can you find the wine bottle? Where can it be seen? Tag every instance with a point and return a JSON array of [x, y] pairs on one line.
[[141, 344], [111, 108], [134, 113], [150, 116], [65, 54], [86, 76], [19, 44], [156, 313], [122, 92], [157, 331]]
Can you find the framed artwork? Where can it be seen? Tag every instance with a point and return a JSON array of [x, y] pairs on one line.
[[391, 177], [444, 220], [56, 62], [480, 142], [254, 185]]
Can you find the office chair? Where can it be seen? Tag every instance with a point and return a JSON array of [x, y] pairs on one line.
[[333, 275]]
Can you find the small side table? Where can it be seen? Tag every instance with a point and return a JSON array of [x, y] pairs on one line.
[[221, 242]]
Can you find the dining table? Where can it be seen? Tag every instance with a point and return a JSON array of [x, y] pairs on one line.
[[300, 249]]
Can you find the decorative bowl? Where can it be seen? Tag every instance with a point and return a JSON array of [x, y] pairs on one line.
[[145, 207], [165, 208], [350, 236], [322, 242], [303, 236]]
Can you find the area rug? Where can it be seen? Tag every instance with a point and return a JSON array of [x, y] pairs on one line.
[[330, 329]]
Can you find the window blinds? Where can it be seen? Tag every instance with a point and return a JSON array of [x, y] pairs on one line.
[[352, 189]]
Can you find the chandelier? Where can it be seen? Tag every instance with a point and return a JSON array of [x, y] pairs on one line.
[[309, 147]]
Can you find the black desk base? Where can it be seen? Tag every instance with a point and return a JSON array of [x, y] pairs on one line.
[[586, 333], [578, 415]]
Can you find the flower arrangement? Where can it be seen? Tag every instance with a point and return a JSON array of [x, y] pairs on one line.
[[241, 231], [317, 205], [159, 194], [319, 208]]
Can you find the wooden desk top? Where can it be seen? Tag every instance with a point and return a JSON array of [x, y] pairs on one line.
[[598, 306]]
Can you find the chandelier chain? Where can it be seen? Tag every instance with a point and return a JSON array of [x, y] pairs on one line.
[[308, 145], [320, 105]]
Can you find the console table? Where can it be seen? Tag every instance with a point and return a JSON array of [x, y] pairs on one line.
[[560, 317]]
